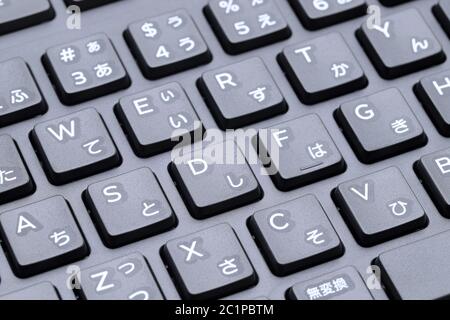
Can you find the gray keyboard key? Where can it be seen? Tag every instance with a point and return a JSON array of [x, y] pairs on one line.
[[84, 137], [322, 68], [129, 207], [397, 49], [295, 235], [442, 12], [20, 97], [15, 180], [376, 130], [241, 94], [379, 207], [125, 278], [41, 236], [299, 152], [209, 264], [418, 271], [156, 120], [41, 291], [342, 284]]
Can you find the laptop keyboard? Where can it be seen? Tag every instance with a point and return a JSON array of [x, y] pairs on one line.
[[99, 201]]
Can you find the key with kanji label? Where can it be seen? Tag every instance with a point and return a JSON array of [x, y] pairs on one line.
[[209, 264], [433, 92], [15, 180], [376, 130], [243, 25], [211, 184], [41, 236], [125, 278], [434, 172], [241, 94], [16, 15], [87, 4], [129, 207], [396, 49], [41, 291], [318, 14], [379, 207], [157, 120], [295, 235], [20, 97], [167, 44], [342, 284], [75, 146], [322, 68], [442, 12], [85, 69], [299, 152]]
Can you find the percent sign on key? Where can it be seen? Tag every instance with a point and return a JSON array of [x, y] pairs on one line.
[[229, 6]]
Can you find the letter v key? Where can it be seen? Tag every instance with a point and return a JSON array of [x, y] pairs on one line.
[[365, 194]]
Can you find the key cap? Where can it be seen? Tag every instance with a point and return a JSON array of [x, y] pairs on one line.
[[167, 44], [324, 13], [84, 137], [433, 92], [241, 94], [299, 152], [85, 69], [434, 171], [20, 97], [155, 120], [210, 184], [87, 4], [379, 207], [16, 15], [209, 264], [41, 236], [342, 284], [15, 180], [125, 278], [129, 207], [322, 68], [376, 130], [396, 49], [418, 271], [442, 12], [41, 291], [243, 25], [295, 235]]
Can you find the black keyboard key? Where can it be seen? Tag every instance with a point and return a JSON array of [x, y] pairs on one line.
[[241, 94], [323, 13], [434, 171], [85, 69], [209, 264], [342, 284], [376, 130], [20, 97], [295, 235], [243, 25], [167, 44], [396, 49], [84, 137], [87, 4], [126, 278], [210, 185], [379, 207], [418, 271], [155, 120], [299, 152], [15, 180], [442, 12], [42, 291], [433, 92], [41, 236], [129, 207], [15, 15], [322, 68]]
